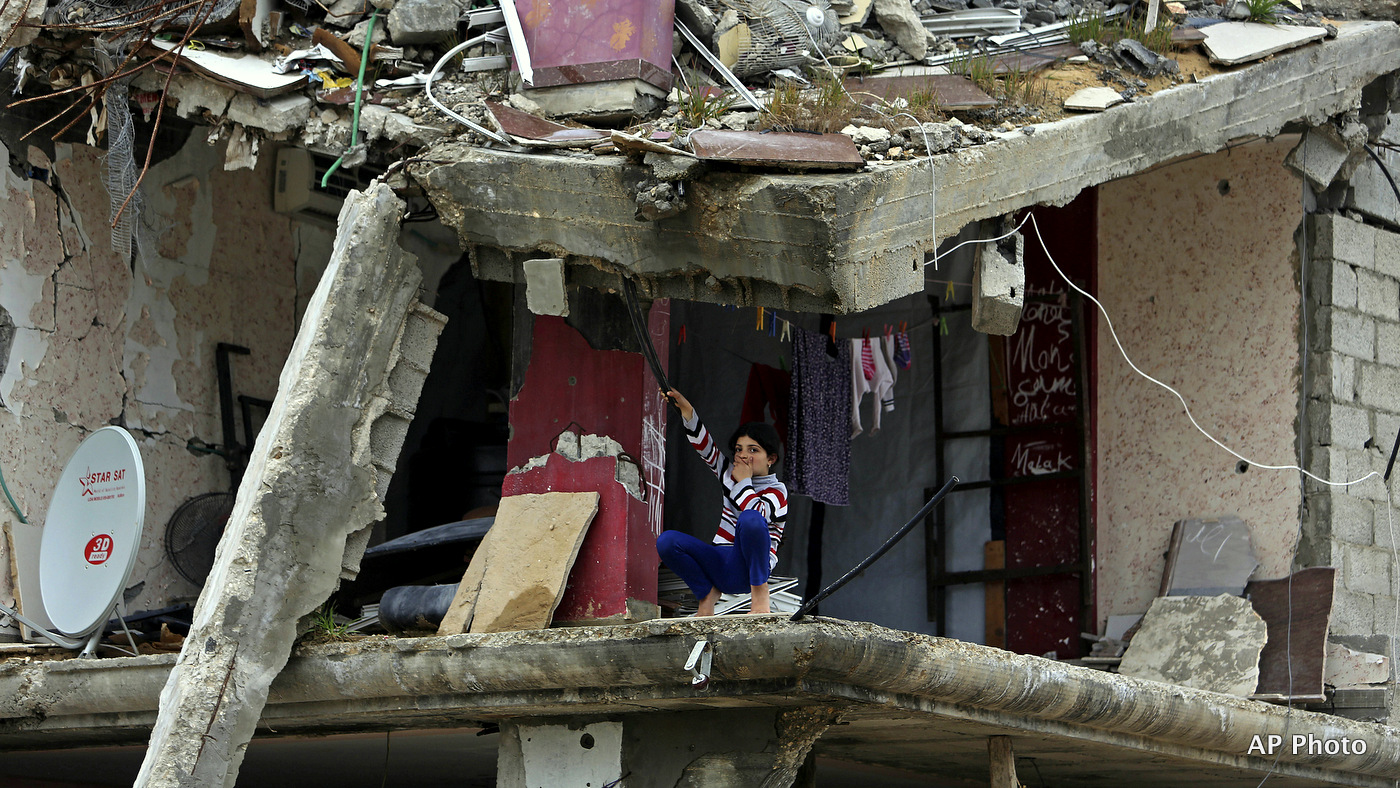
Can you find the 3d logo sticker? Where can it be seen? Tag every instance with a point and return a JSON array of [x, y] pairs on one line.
[[99, 549]]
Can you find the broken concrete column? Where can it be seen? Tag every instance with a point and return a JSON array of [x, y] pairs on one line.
[[314, 478], [695, 749], [999, 285]]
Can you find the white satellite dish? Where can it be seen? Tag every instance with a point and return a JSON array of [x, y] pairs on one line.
[[90, 538]]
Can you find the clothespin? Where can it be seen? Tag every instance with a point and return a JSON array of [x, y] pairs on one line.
[[782, 363], [943, 325], [903, 326], [760, 319], [833, 331], [948, 293], [787, 333], [773, 326], [681, 339]]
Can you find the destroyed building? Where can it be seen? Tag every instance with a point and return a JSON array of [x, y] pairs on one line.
[[347, 309]]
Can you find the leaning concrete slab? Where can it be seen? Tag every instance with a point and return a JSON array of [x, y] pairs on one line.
[[1209, 642], [845, 243], [316, 477]]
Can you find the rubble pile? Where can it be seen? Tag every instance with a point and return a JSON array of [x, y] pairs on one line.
[[898, 79]]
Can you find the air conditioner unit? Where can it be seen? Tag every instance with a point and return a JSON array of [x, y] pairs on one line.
[[297, 190]]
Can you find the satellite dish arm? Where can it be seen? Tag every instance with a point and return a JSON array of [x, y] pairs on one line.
[[58, 639]]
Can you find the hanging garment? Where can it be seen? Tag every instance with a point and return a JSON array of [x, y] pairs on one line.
[[887, 347], [819, 420], [769, 390], [903, 355], [867, 359], [879, 385]]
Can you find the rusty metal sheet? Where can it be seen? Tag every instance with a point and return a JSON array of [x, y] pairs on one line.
[[527, 127], [950, 91], [789, 150], [1034, 59]]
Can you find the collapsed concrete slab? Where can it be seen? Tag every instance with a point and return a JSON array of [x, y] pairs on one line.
[[1211, 643], [313, 488], [844, 243]]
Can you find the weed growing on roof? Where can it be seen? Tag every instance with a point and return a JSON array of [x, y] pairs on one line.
[[696, 107], [323, 625], [1265, 11], [1093, 27], [1015, 87]]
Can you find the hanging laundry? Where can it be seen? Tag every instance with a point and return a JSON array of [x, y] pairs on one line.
[[769, 390], [867, 359], [819, 419], [887, 352], [903, 355], [879, 384]]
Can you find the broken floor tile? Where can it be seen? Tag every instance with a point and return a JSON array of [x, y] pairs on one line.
[[1208, 557], [527, 128], [1096, 99], [790, 150], [248, 74], [1031, 60], [1207, 642], [1350, 668], [949, 92], [1294, 670], [1230, 43], [1183, 36]]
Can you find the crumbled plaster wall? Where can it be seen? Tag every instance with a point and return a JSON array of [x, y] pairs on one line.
[[1353, 418], [1198, 270], [99, 339]]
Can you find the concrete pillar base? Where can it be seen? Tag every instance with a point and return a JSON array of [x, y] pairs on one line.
[[763, 748]]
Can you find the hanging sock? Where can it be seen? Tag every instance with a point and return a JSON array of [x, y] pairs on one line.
[[867, 359], [903, 355]]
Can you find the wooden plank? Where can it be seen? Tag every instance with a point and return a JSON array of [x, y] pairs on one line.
[[1308, 606], [994, 557], [1003, 762], [791, 150]]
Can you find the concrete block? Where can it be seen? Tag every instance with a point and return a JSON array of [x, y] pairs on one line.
[[386, 437], [194, 94], [1388, 343], [1353, 334], [544, 287], [1388, 253], [1351, 426], [1211, 643], [1339, 238], [423, 21], [1352, 519], [1343, 378], [1346, 667], [999, 286], [419, 337], [667, 167], [1378, 295], [1319, 155], [1379, 387], [617, 99], [1328, 462], [1343, 285], [1353, 613], [1366, 570], [283, 113], [405, 386], [1370, 192], [569, 754]]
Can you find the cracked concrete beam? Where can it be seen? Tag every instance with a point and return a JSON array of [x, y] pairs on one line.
[[844, 243], [310, 484]]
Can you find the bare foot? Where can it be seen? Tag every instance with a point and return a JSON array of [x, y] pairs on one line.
[[759, 599], [707, 605]]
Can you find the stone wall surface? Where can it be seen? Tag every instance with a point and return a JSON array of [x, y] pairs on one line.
[[1352, 422], [96, 337]]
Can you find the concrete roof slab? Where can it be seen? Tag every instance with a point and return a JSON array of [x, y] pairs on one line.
[[848, 242]]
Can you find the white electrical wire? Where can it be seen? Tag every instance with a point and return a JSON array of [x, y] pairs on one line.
[[1182, 399], [428, 88]]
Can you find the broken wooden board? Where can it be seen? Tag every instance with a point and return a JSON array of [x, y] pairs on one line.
[[1095, 99], [1032, 60], [788, 150], [1347, 667], [1208, 557], [1310, 611], [247, 74], [517, 576], [1232, 43], [534, 131], [1207, 642], [948, 91]]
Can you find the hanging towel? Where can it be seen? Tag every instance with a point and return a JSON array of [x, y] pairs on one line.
[[819, 419], [878, 385]]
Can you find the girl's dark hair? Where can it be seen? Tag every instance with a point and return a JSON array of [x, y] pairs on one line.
[[759, 432]]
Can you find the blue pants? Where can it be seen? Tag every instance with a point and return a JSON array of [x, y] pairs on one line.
[[733, 569]]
